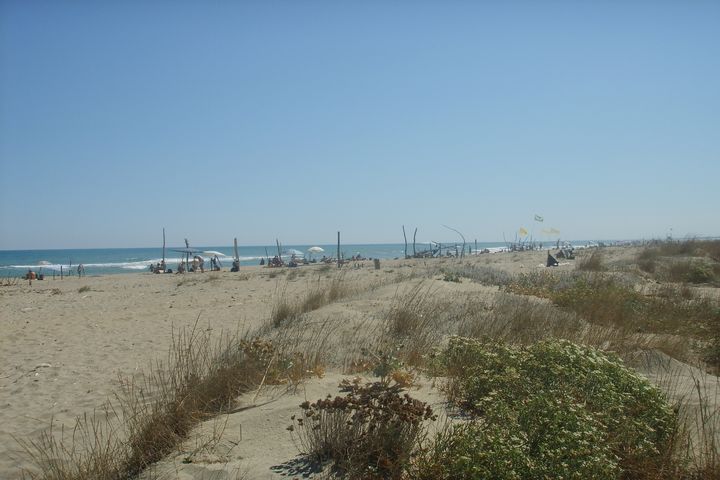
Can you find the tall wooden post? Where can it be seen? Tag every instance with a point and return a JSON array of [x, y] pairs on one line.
[[414, 235], [405, 237], [163, 246], [338, 251]]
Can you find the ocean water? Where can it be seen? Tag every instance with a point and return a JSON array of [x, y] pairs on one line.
[[108, 261]]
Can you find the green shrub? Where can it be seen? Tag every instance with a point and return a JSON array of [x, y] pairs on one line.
[[606, 300], [474, 450], [600, 299], [700, 273], [556, 409]]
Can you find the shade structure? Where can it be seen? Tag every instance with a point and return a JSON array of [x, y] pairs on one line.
[[189, 251], [214, 252], [315, 250]]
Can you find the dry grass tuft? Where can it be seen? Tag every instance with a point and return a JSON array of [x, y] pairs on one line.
[[413, 323], [201, 377], [9, 281], [478, 273], [591, 263], [317, 296]]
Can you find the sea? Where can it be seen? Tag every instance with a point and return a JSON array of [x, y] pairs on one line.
[[112, 261]]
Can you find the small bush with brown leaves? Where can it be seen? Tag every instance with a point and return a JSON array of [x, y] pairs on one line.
[[371, 432]]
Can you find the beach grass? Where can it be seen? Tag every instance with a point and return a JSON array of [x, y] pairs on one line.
[[537, 317], [201, 378]]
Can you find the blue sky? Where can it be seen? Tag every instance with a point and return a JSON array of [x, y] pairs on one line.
[[298, 119]]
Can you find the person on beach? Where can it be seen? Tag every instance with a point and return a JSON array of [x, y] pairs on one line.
[[162, 266], [181, 267], [81, 270]]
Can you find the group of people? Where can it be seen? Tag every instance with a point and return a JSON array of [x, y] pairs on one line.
[[31, 275], [197, 265], [159, 267]]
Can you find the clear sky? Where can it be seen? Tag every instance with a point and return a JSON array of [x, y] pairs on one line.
[[297, 119]]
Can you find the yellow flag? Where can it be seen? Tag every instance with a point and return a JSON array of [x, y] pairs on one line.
[[522, 232]]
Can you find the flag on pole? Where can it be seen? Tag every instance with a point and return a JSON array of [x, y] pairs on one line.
[[522, 232], [538, 218]]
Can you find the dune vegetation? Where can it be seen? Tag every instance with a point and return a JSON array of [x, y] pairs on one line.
[[538, 371]]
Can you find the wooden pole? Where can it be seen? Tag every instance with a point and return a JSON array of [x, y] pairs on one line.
[[237, 257], [338, 251], [463, 239], [414, 235], [163, 245], [61, 272], [405, 237], [277, 242], [476, 247]]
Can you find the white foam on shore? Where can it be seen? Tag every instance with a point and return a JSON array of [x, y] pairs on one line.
[[135, 265]]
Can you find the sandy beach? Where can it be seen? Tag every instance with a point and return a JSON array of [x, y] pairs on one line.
[[65, 344]]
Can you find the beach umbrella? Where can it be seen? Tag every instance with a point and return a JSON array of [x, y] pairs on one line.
[[315, 250], [214, 252]]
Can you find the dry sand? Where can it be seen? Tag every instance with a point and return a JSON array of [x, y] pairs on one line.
[[62, 350]]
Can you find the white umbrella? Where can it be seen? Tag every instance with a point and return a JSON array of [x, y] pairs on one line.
[[315, 250], [213, 252]]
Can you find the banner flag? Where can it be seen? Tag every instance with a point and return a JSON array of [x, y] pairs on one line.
[[538, 218], [522, 232]]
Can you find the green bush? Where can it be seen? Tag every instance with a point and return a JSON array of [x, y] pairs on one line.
[[551, 410], [602, 300]]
